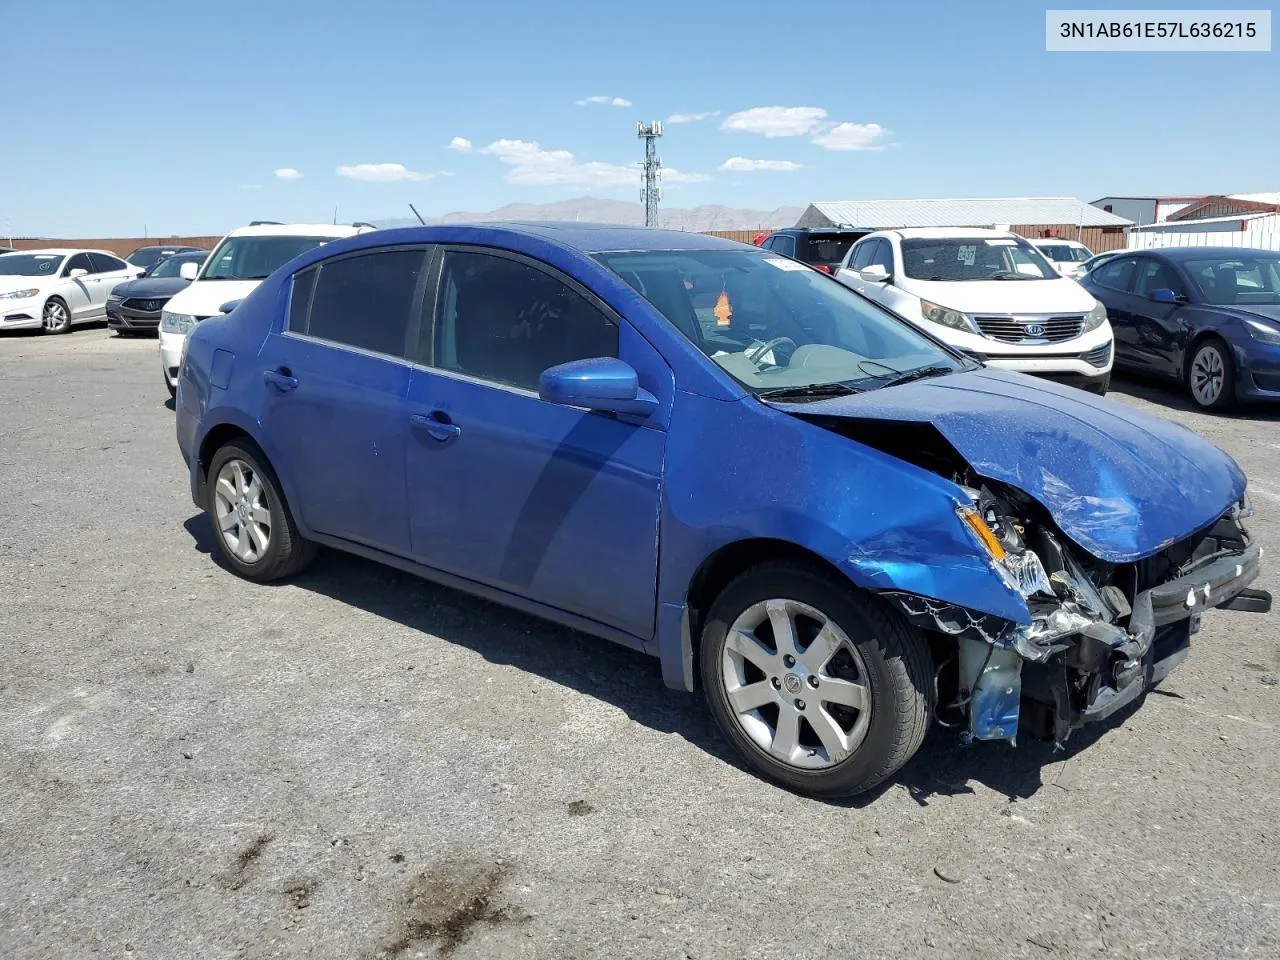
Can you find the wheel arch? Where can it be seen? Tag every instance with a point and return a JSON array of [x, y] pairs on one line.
[[226, 429]]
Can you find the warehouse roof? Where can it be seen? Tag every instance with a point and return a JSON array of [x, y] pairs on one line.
[[884, 214]]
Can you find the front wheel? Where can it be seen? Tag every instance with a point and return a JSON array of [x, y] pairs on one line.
[[821, 689], [255, 531], [1211, 376], [1100, 386], [56, 317]]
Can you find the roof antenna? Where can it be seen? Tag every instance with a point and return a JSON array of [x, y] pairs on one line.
[[417, 214], [335, 216]]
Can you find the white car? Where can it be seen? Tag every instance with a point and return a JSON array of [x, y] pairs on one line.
[[241, 260], [1067, 256], [989, 294], [55, 288]]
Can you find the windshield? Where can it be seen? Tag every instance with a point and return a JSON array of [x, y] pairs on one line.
[[172, 266], [255, 258], [973, 258], [30, 264], [148, 256], [773, 323], [1065, 253], [1251, 278]]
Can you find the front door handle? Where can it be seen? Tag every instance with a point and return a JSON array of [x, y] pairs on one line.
[[436, 425], [280, 380]]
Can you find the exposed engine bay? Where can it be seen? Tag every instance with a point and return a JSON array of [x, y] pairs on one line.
[[1100, 633]]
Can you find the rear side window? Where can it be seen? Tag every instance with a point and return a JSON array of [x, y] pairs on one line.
[[827, 249], [507, 321], [785, 244], [300, 300], [105, 264], [365, 301], [1118, 274]]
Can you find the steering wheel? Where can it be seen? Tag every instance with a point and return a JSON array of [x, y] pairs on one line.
[[755, 353]]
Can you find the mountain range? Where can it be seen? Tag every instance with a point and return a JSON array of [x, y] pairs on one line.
[[603, 210]]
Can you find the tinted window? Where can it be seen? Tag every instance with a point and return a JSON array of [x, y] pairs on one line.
[[79, 262], [1154, 275], [1116, 274], [863, 252], [768, 244], [826, 248], [1251, 277], [503, 320], [882, 254], [300, 299], [105, 264], [366, 301], [785, 244]]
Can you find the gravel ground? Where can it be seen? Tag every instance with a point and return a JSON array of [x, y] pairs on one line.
[[359, 764]]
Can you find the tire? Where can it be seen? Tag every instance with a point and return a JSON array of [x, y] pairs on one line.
[[1101, 387], [1211, 364], [256, 554], [871, 647], [56, 316], [173, 391]]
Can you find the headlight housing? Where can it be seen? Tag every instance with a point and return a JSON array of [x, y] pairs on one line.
[[1262, 331], [1095, 318], [20, 294], [1019, 567], [936, 313], [176, 322]]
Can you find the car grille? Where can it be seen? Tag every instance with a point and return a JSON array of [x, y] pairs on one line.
[[146, 306], [1098, 356], [1018, 329]]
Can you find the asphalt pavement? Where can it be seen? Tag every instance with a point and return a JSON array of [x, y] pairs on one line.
[[359, 764]]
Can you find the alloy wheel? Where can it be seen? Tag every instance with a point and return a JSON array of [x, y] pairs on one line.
[[796, 684], [243, 511], [55, 316], [1207, 374]]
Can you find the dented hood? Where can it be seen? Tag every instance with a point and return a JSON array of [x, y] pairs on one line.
[[1120, 483]]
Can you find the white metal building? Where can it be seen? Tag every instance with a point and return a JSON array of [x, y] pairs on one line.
[[1258, 230], [999, 212]]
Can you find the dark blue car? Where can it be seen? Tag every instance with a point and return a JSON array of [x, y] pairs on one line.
[[1208, 317], [836, 526], [135, 306]]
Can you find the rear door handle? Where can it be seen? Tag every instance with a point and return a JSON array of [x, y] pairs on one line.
[[280, 380], [436, 425]]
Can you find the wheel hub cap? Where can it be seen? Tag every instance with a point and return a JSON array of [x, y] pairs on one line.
[[793, 683], [243, 516]]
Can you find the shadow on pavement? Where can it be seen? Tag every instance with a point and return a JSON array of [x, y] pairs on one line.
[[632, 681], [1166, 393]]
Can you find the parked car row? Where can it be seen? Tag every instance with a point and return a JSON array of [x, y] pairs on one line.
[[1204, 316], [54, 289], [804, 501]]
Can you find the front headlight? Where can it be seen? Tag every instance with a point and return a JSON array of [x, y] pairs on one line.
[[1020, 568], [1095, 318], [176, 322], [20, 294], [946, 316], [1264, 332]]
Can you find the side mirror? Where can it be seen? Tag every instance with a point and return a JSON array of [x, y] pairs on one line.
[[874, 273], [77, 272], [228, 306], [600, 383], [1164, 295], [188, 270]]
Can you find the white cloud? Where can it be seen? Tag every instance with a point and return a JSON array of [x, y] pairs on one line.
[[532, 165], [381, 172], [776, 121], [461, 144], [692, 117], [743, 165], [852, 136], [606, 101], [288, 173]]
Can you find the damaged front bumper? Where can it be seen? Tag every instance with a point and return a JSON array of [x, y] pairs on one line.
[[1089, 651]]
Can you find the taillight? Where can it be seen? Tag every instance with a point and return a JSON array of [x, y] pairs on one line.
[[822, 266]]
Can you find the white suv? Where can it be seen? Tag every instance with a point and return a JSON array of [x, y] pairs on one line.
[[241, 260], [1067, 256], [991, 295]]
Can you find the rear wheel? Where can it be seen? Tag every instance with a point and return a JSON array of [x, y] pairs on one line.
[[1211, 376], [821, 689], [56, 317], [256, 533]]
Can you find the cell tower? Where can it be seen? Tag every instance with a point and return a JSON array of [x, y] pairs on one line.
[[651, 192]]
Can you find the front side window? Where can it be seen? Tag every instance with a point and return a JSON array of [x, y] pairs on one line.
[[773, 324], [366, 301], [506, 321], [171, 267], [1154, 275], [863, 252], [1116, 274], [79, 262], [973, 258], [1252, 277], [255, 258], [882, 255], [30, 264]]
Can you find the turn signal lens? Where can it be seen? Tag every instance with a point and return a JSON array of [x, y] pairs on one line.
[[974, 521]]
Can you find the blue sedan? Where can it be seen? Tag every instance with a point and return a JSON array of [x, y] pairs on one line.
[[1208, 317], [836, 526]]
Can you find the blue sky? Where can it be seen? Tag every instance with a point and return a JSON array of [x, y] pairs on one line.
[[176, 117]]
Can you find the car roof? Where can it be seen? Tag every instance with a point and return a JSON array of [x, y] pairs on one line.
[[821, 230], [1056, 241], [296, 230], [66, 251], [950, 233], [585, 238], [1195, 253], [166, 246]]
